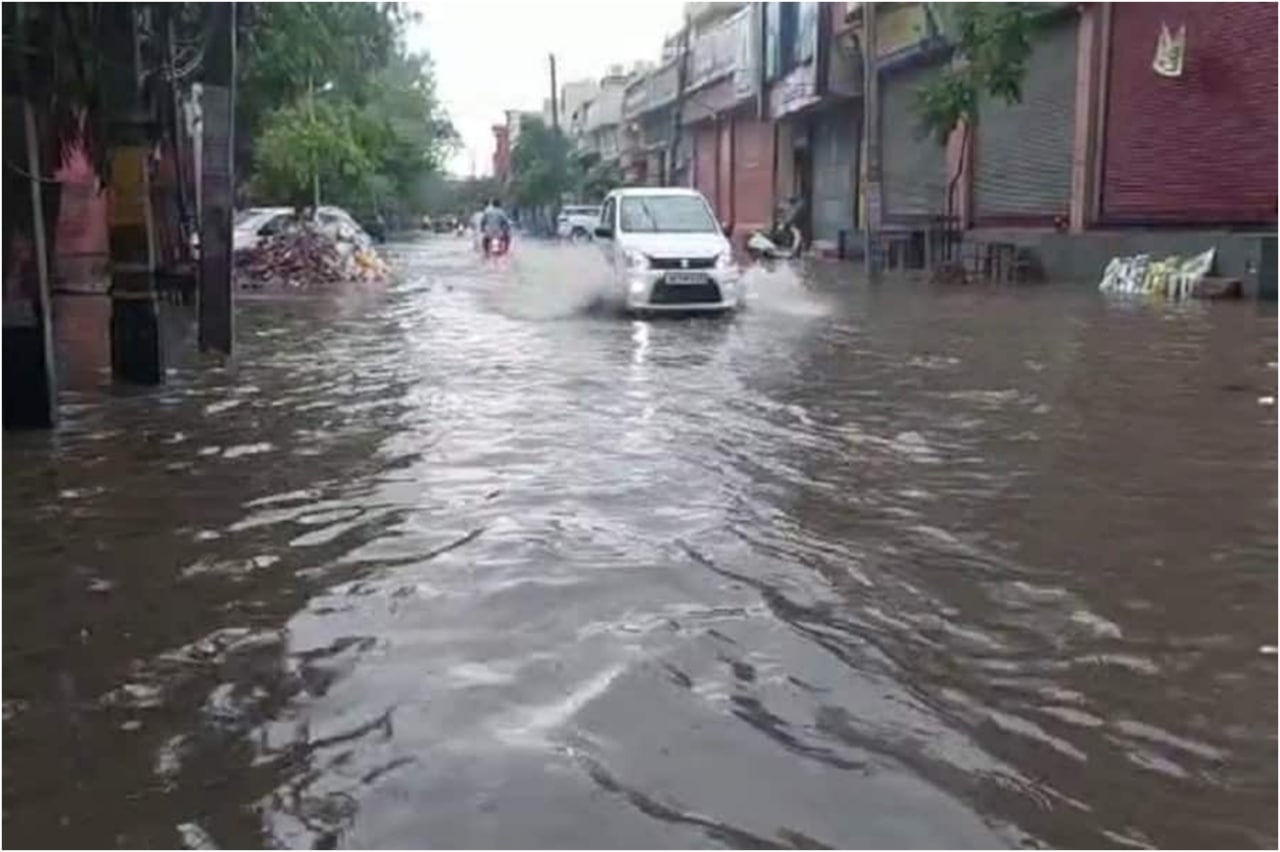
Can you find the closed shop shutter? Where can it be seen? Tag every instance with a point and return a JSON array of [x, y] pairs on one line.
[[914, 164], [705, 144], [724, 182], [1201, 147], [835, 141], [1022, 163], [752, 174]]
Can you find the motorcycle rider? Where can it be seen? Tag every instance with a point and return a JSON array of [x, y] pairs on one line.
[[783, 238], [494, 226], [788, 218]]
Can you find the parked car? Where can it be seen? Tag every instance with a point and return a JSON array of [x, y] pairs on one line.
[[577, 221], [667, 252], [254, 223]]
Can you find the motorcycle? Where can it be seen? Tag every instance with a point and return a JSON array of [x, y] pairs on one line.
[[783, 241], [495, 246], [779, 244]]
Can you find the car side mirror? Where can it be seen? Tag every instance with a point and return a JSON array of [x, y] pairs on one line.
[[727, 228], [604, 232]]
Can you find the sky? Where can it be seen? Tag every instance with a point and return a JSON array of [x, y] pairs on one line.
[[492, 56]]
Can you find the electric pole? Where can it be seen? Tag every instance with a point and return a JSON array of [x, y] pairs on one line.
[[677, 120], [871, 136], [555, 98]]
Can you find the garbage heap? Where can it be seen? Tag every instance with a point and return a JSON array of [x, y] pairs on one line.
[[307, 258]]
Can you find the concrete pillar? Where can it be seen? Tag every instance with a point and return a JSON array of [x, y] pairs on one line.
[[136, 354], [218, 181], [1090, 105]]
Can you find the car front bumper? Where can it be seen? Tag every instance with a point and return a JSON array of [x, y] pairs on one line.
[[648, 290]]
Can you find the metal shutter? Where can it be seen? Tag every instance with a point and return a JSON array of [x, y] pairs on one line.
[[914, 164], [1022, 168], [1200, 148], [752, 173], [835, 139], [705, 142]]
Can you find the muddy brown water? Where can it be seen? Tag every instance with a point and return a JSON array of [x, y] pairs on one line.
[[465, 563]]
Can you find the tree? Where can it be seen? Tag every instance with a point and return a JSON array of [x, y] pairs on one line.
[[992, 44], [595, 178], [540, 167], [303, 140], [330, 89], [286, 49], [402, 130]]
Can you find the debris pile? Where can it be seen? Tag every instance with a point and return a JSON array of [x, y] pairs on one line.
[[308, 259], [1172, 278]]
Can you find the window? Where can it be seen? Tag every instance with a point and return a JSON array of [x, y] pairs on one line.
[[606, 214], [666, 214], [791, 36]]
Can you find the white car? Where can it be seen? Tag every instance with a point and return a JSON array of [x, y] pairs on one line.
[[252, 225], [667, 252], [577, 221], [257, 222]]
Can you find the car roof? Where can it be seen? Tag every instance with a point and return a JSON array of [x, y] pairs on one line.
[[655, 190], [263, 211]]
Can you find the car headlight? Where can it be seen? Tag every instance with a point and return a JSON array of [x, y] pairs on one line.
[[724, 260], [636, 259]]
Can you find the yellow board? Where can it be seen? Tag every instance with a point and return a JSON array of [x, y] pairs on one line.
[[900, 27], [128, 197]]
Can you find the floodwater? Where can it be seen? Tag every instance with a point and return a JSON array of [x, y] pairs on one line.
[[476, 562]]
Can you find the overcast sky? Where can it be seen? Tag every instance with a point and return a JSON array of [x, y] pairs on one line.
[[492, 56]]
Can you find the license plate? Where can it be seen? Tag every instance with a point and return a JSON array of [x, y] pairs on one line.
[[686, 278]]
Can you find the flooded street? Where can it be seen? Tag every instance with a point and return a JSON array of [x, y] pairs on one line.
[[467, 563]]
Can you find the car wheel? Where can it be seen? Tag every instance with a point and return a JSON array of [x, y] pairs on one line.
[[578, 235]]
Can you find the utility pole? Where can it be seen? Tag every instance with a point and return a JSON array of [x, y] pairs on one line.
[[136, 352], [677, 120], [217, 160], [871, 137], [555, 97], [30, 389]]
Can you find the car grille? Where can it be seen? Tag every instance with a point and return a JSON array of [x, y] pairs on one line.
[[680, 262], [685, 294]]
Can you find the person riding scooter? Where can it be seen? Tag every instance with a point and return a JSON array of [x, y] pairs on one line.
[[783, 239], [495, 229]]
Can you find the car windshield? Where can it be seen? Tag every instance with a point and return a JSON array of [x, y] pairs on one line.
[[254, 216], [666, 214]]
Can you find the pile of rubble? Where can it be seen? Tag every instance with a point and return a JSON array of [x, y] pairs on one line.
[[308, 259]]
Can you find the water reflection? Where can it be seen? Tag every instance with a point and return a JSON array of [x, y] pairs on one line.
[[467, 563]]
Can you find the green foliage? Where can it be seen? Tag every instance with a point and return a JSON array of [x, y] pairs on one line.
[[285, 48], [598, 179], [454, 196], [992, 43], [379, 132], [541, 171], [297, 143]]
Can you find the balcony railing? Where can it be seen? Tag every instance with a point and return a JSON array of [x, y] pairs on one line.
[[652, 91], [725, 49]]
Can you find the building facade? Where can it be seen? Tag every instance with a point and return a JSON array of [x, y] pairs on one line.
[[755, 104]]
